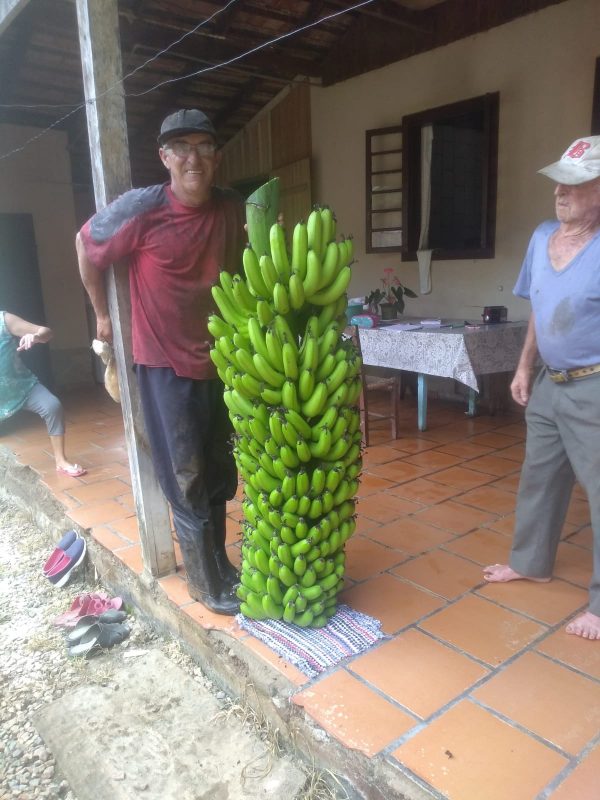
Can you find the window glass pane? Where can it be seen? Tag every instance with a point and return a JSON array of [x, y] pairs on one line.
[[456, 184]]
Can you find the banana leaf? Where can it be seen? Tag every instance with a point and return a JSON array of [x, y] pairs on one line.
[[262, 209]]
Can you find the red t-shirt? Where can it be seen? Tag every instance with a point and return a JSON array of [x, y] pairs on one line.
[[175, 254]]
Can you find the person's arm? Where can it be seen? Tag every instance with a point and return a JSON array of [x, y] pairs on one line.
[[29, 334], [93, 281], [521, 384]]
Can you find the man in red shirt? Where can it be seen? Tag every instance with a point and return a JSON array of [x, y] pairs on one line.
[[176, 237]]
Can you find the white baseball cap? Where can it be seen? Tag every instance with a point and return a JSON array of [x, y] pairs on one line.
[[578, 164]]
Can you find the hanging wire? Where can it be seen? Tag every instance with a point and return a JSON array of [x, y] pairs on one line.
[[204, 70]]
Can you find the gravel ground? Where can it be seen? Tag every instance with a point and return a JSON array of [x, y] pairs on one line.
[[34, 666], [35, 669]]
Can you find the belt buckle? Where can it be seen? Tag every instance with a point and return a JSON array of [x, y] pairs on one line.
[[564, 375]]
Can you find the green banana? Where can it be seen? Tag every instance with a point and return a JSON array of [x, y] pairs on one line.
[[274, 589], [322, 446], [256, 284], [217, 327], [264, 312], [257, 339], [267, 373], [315, 404], [288, 485], [299, 249], [312, 279], [326, 315], [303, 450], [289, 612], [327, 225], [328, 420], [275, 426], [289, 457], [281, 300], [289, 397], [326, 367], [290, 363], [227, 309], [306, 384], [317, 482], [296, 291], [329, 268], [269, 273], [274, 348], [272, 397], [335, 379], [334, 290], [272, 609], [279, 251], [302, 427], [314, 225], [283, 330], [245, 363], [302, 482], [242, 295], [309, 358]]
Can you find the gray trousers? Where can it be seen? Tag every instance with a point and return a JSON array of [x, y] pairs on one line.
[[563, 445], [41, 401]]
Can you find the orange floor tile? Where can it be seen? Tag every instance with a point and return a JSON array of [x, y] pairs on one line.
[[476, 693]]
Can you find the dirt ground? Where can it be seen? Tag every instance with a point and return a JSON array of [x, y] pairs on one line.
[[41, 685]]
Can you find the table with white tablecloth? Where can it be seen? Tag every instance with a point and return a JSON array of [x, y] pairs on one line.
[[454, 351]]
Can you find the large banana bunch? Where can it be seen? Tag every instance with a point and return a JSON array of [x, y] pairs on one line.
[[292, 387]]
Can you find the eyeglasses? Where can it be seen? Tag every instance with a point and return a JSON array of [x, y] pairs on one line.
[[184, 149]]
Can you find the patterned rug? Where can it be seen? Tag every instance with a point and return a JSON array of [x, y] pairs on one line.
[[313, 650]]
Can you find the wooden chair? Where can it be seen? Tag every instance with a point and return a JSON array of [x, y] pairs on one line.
[[371, 384]]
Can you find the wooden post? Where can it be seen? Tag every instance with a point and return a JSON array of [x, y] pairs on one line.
[[107, 131]]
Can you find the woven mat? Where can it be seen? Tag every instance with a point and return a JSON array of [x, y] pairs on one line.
[[313, 650]]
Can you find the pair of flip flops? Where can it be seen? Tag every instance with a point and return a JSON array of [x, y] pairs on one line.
[[65, 558], [93, 634], [95, 603]]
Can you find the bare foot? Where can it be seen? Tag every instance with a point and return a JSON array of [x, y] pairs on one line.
[[586, 625], [502, 573], [72, 470]]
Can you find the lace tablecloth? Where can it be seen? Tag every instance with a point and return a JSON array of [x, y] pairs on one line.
[[447, 352]]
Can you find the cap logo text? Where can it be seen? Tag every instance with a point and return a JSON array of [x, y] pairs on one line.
[[578, 149]]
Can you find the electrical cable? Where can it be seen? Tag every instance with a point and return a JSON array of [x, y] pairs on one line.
[[209, 68]]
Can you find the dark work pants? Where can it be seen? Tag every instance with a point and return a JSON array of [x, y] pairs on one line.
[[563, 445], [189, 432]]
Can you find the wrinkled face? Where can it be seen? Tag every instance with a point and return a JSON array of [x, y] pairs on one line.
[[192, 160], [578, 204]]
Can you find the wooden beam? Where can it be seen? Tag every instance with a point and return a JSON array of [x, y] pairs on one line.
[[107, 131], [9, 10]]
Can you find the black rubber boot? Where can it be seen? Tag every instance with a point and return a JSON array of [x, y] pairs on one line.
[[204, 580], [226, 569]]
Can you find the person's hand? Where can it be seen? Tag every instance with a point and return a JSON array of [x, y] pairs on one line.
[[26, 342], [104, 330], [520, 387]]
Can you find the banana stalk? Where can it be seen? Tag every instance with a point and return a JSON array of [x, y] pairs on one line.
[[262, 209]]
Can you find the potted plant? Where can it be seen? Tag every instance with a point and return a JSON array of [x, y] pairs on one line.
[[390, 299]]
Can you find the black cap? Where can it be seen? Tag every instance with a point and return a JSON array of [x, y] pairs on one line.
[[185, 121]]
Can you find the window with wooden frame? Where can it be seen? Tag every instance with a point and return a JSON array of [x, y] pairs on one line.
[[449, 179], [384, 190]]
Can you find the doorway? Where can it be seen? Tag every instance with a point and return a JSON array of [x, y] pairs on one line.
[[21, 287]]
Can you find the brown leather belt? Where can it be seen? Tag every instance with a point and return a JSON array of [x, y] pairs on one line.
[[566, 375]]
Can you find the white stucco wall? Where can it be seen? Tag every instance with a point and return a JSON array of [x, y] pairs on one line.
[[37, 181], [543, 67]]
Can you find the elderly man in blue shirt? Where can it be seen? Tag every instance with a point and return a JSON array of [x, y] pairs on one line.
[[561, 278]]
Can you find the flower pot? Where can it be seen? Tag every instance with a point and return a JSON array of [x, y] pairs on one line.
[[388, 311]]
